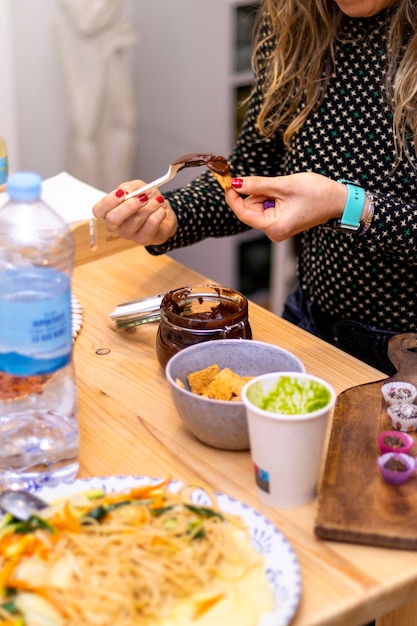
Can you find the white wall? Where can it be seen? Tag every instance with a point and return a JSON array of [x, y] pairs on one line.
[[34, 117], [8, 117], [39, 116]]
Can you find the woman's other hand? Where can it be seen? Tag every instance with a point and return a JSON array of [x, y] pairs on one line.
[[298, 202], [147, 219]]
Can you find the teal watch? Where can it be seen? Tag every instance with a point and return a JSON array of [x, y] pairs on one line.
[[352, 213]]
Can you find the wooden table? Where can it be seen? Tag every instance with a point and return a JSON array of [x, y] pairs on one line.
[[129, 426]]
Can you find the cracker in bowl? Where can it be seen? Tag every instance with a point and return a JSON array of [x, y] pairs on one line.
[[217, 384]]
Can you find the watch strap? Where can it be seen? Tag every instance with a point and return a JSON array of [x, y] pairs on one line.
[[352, 213]]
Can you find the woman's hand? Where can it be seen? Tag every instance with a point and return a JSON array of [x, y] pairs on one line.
[[147, 219], [298, 202]]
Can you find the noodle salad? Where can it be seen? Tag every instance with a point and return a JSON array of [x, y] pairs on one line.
[[139, 557]]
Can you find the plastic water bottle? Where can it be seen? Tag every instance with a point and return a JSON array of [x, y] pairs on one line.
[[39, 437], [4, 164]]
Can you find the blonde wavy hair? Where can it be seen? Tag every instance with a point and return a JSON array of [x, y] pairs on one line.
[[302, 36]]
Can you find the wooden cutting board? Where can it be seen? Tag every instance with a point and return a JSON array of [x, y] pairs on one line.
[[355, 503]]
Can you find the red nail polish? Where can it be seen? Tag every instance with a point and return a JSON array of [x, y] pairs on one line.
[[143, 197], [237, 183], [119, 193], [159, 199]]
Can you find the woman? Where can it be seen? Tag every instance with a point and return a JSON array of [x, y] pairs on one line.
[[335, 99]]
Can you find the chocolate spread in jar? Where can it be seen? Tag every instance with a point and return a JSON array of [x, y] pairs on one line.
[[191, 315]]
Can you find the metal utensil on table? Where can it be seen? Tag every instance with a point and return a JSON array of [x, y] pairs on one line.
[[136, 312], [21, 504], [187, 160]]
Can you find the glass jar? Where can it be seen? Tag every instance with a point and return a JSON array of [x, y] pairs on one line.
[[191, 315]]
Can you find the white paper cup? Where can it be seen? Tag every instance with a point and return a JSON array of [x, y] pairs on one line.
[[287, 436]]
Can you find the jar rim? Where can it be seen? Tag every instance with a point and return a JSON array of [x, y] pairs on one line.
[[208, 292], [217, 290]]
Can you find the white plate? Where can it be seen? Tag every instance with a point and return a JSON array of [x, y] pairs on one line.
[[281, 564]]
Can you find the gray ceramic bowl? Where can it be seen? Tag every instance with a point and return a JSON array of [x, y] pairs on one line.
[[220, 423]]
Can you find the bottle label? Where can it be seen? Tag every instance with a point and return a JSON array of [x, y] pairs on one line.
[[4, 169], [35, 321]]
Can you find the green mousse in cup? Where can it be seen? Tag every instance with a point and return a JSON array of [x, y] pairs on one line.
[[291, 395], [287, 414]]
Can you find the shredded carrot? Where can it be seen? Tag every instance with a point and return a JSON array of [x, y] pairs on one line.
[[17, 583], [15, 545], [7, 571], [159, 541], [6, 542], [66, 520], [43, 552], [136, 493], [44, 592], [205, 605], [158, 503]]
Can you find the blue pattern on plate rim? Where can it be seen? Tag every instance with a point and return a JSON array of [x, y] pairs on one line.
[[281, 563]]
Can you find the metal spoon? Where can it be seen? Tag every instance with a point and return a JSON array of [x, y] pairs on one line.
[[187, 160], [138, 311], [173, 169], [21, 504]]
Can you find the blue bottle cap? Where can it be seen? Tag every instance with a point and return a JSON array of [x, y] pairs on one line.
[[24, 186]]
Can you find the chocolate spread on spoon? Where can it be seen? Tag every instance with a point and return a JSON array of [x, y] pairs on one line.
[[214, 163]]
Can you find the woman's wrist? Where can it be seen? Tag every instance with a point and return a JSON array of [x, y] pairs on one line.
[[353, 208], [341, 201]]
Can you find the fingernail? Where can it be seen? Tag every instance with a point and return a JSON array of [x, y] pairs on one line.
[[159, 199], [143, 197], [119, 193], [237, 183], [269, 203]]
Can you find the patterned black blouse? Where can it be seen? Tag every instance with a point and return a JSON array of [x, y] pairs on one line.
[[370, 278]]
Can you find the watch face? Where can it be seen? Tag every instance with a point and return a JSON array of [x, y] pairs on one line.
[[336, 224]]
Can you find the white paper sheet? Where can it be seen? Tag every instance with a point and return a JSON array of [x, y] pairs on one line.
[[69, 196]]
